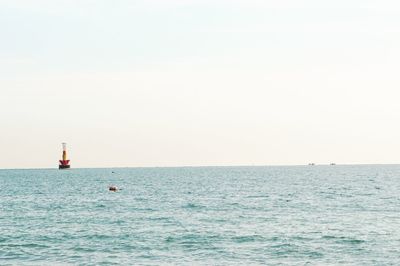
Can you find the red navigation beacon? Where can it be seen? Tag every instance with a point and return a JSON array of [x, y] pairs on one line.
[[64, 163]]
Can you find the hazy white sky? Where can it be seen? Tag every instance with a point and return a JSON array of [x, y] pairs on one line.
[[199, 82]]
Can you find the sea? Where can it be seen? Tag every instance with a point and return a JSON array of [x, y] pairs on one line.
[[249, 215]]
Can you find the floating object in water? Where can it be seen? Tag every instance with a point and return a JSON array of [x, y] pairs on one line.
[[333, 164], [64, 163], [311, 164], [113, 188]]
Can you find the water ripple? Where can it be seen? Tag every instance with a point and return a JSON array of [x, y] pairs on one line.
[[203, 215]]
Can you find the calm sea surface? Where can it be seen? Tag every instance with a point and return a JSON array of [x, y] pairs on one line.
[[304, 215]]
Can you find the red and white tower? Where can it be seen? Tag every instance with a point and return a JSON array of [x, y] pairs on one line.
[[64, 163]]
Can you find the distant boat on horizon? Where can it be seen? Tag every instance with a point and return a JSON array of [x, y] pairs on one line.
[[311, 164]]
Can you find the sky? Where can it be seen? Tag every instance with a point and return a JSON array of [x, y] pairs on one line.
[[199, 82]]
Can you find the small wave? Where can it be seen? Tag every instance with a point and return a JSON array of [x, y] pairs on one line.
[[192, 206], [285, 245], [342, 239], [169, 239], [352, 241], [140, 199], [329, 237], [314, 254], [99, 237], [84, 249], [27, 245], [213, 220], [257, 197], [301, 238], [166, 219], [249, 238], [192, 239]]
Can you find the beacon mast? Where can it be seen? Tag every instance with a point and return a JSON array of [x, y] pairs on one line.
[[64, 163]]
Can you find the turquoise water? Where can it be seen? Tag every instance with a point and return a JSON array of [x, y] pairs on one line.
[[299, 215]]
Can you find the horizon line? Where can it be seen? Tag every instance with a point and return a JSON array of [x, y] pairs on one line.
[[205, 166]]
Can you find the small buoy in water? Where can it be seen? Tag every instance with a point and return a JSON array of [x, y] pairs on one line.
[[112, 188]]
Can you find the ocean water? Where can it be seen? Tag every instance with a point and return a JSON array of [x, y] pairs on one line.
[[298, 215]]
